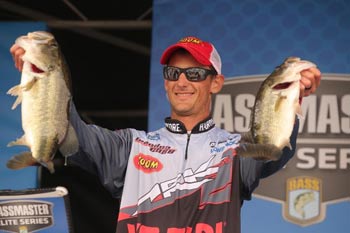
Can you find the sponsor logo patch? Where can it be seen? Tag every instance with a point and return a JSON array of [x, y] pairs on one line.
[[147, 163], [157, 148]]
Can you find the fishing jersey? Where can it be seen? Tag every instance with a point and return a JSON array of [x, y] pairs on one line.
[[171, 180]]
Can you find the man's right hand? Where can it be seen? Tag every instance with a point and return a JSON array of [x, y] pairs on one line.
[[17, 53]]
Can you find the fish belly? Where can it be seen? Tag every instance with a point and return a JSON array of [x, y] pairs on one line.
[[275, 118], [45, 115]]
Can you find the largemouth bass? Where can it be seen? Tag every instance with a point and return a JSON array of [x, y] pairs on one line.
[[302, 200], [44, 92], [275, 108]]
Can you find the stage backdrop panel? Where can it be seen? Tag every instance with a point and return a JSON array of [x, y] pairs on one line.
[[36, 210], [10, 120], [252, 38]]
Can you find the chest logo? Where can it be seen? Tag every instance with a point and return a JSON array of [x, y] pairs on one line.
[[147, 163]]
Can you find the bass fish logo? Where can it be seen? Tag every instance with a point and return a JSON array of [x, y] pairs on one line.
[[303, 204]]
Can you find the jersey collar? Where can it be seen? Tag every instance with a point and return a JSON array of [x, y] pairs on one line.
[[176, 126]]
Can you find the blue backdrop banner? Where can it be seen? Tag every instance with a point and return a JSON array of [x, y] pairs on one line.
[[252, 38], [10, 120]]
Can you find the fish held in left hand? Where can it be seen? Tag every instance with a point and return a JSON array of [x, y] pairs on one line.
[[45, 96], [275, 108]]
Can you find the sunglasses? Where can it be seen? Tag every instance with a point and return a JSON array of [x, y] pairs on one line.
[[193, 74]]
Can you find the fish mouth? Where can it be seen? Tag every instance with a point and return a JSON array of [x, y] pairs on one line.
[[282, 86], [36, 69]]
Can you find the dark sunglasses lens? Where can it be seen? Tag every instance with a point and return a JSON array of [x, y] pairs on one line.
[[171, 73], [196, 74], [193, 74]]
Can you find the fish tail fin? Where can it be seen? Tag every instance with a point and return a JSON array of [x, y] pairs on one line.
[[21, 160], [247, 137], [259, 151]]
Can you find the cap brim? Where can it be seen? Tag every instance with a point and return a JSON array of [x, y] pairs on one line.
[[171, 49]]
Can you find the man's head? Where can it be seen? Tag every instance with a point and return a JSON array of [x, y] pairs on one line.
[[190, 77]]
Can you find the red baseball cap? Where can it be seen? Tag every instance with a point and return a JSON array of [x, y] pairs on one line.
[[204, 52]]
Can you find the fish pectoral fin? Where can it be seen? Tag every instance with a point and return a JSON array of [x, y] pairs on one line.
[[259, 151], [16, 91], [22, 160], [28, 85], [49, 165], [299, 111], [17, 102], [19, 142], [279, 102], [70, 144]]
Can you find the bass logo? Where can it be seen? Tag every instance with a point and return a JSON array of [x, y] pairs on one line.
[[303, 204]]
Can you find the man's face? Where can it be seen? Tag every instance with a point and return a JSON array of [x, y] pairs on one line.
[[188, 98]]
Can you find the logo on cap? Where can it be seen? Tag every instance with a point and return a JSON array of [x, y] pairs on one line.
[[190, 39]]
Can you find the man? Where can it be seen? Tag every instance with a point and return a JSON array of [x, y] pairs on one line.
[[186, 176]]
